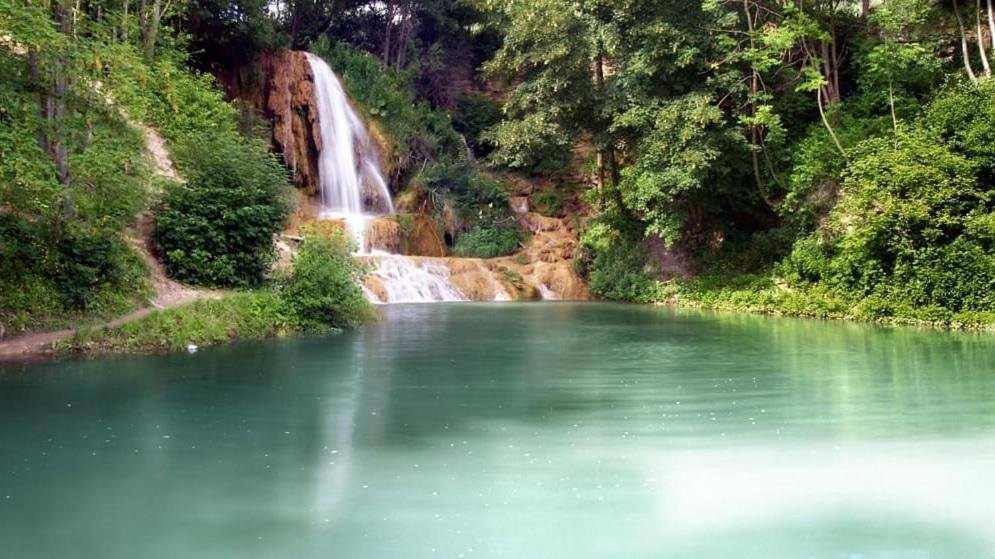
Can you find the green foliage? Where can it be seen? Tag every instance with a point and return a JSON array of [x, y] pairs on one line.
[[547, 202], [54, 275], [817, 167], [488, 241], [323, 290], [62, 247], [479, 200], [962, 117], [217, 228], [513, 276], [901, 229], [613, 263], [533, 144], [475, 113], [548, 51], [682, 143]]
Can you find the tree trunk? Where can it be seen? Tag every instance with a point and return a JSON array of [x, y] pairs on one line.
[[124, 20], [599, 80], [403, 34], [981, 41], [57, 112], [388, 24], [150, 29], [991, 25], [963, 45], [829, 127], [865, 9], [754, 87]]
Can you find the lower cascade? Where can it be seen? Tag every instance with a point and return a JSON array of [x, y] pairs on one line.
[[406, 280]]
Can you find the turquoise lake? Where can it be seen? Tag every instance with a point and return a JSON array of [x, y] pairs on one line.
[[541, 430]]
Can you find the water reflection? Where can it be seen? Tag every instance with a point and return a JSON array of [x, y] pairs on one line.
[[513, 430]]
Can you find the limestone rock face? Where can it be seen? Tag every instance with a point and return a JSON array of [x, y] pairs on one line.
[[383, 234], [420, 235], [289, 102]]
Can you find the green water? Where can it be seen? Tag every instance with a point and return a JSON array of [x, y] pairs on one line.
[[515, 430]]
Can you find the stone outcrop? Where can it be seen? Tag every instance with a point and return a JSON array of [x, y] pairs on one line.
[[545, 264], [408, 234], [383, 234], [289, 103]]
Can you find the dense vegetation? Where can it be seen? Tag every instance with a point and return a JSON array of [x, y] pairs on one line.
[[321, 294], [828, 158], [822, 158]]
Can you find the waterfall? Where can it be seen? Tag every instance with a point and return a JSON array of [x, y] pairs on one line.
[[352, 187], [353, 190]]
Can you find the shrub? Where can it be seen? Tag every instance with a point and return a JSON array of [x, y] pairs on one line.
[[218, 227], [547, 202], [488, 241], [89, 261], [475, 113], [613, 264], [323, 291]]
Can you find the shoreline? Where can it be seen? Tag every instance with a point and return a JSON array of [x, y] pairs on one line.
[[50, 345]]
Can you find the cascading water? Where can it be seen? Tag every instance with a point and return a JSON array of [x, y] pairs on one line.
[[353, 190]]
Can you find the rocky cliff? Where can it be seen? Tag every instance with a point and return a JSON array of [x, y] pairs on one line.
[[289, 103]]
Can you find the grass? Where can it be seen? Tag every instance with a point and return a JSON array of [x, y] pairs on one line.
[[241, 316]]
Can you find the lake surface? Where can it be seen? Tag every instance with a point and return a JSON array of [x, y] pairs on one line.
[[516, 430]]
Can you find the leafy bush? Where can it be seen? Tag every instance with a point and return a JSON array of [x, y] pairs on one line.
[[475, 113], [913, 227], [547, 202], [88, 262], [613, 263], [962, 118], [533, 144], [323, 291], [478, 199], [488, 241], [218, 227]]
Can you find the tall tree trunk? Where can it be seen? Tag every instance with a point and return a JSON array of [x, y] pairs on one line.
[[963, 44], [150, 28], [981, 40], [865, 8], [404, 33], [388, 25], [754, 87], [57, 111], [991, 25], [829, 127], [124, 19], [599, 80]]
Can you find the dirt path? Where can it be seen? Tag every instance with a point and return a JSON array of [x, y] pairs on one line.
[[166, 292]]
